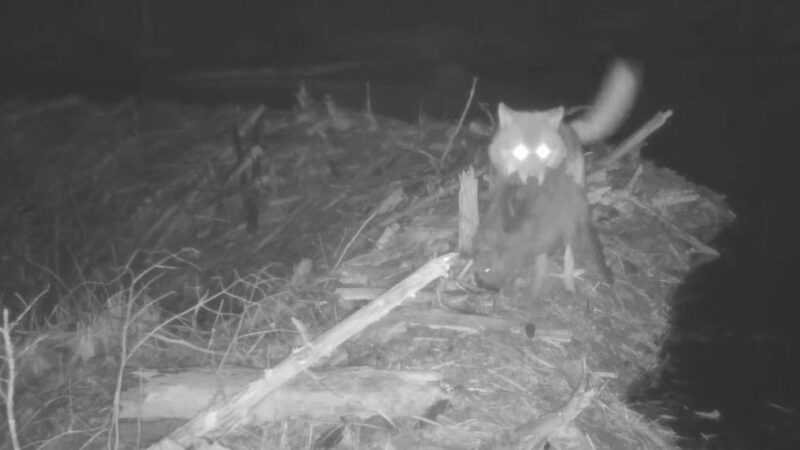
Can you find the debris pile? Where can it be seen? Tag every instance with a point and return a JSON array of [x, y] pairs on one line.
[[292, 279]]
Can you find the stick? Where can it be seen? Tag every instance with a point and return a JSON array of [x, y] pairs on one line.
[[245, 128], [255, 153], [636, 139], [5, 331], [9, 395], [358, 232], [460, 121], [228, 413]]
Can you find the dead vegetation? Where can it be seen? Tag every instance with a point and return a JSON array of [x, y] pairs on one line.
[[248, 278]]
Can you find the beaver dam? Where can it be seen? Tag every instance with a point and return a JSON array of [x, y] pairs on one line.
[[248, 277]]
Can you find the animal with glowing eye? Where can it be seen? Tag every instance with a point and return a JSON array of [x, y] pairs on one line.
[[530, 144]]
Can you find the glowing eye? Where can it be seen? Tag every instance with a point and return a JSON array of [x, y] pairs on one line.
[[520, 152], [543, 151]]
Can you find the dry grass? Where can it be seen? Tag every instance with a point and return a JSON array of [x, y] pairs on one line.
[[167, 243]]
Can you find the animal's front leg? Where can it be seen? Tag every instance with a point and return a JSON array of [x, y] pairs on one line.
[[569, 268], [539, 273], [576, 169]]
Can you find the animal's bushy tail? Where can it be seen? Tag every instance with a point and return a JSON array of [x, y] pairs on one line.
[[612, 104]]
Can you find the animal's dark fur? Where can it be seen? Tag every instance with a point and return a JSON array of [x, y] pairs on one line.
[[529, 219]]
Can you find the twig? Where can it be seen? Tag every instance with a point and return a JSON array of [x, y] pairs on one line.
[[247, 162], [485, 108], [9, 394], [113, 435], [460, 122], [357, 233], [632, 182], [636, 139], [140, 284], [247, 126], [168, 214]]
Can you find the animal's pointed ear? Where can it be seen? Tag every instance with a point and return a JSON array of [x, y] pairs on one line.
[[555, 116], [505, 115]]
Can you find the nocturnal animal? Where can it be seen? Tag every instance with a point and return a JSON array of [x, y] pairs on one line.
[[533, 220], [530, 144]]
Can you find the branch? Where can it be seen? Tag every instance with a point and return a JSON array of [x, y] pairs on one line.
[[636, 139], [231, 412]]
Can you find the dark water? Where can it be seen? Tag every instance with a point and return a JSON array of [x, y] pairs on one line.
[[740, 139], [734, 130]]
